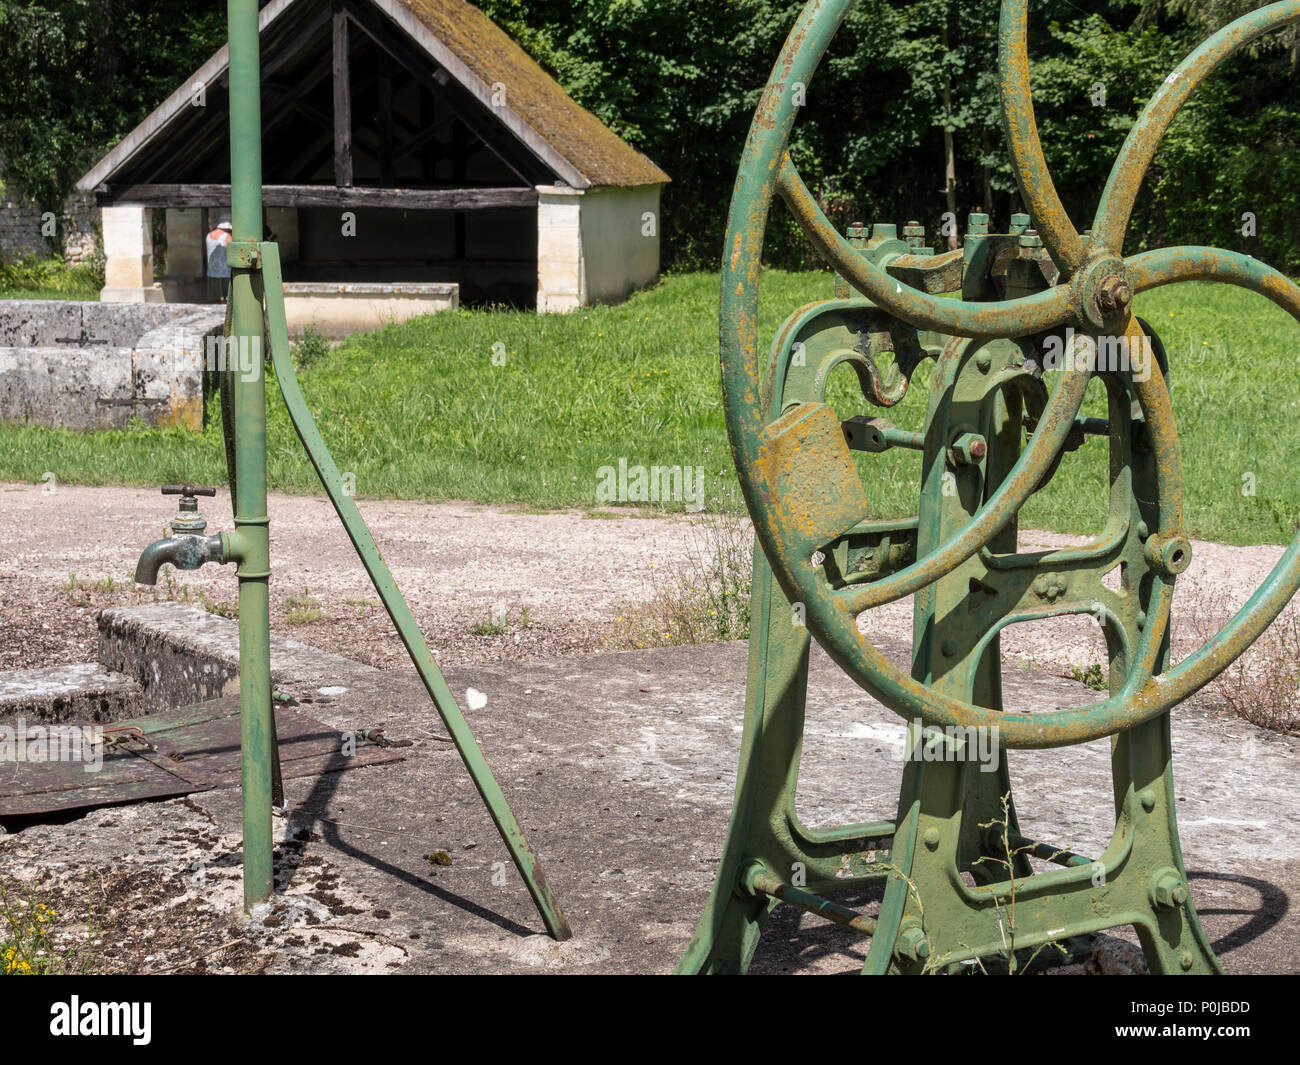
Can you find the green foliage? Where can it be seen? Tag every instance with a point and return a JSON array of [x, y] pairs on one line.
[[76, 75], [679, 79], [310, 348], [52, 278]]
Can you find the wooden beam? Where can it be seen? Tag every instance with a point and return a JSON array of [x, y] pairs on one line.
[[500, 141], [278, 54], [342, 99], [448, 199], [458, 169], [387, 169]]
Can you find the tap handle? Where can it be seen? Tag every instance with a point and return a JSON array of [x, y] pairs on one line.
[[187, 490]]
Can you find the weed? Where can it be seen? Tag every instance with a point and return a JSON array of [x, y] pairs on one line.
[[707, 598], [1007, 910], [303, 609], [29, 945], [1263, 685], [362, 605], [310, 348], [497, 623], [217, 607], [1095, 676], [52, 278]]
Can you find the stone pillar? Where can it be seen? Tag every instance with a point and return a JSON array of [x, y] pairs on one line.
[[128, 247], [561, 277], [185, 255], [283, 222]]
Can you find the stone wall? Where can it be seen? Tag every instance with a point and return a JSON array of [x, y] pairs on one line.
[[22, 223], [83, 365]]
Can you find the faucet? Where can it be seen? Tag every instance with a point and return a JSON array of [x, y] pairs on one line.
[[187, 548]]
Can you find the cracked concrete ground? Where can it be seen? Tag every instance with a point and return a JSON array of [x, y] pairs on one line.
[[621, 769]]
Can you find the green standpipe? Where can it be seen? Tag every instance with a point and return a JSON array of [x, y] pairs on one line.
[[249, 543], [255, 267]]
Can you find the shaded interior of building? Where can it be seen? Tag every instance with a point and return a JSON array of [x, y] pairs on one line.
[[378, 165]]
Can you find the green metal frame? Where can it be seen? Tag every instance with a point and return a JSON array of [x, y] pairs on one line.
[[958, 883], [257, 322]]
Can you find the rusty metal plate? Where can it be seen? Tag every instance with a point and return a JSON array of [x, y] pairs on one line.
[[179, 752]]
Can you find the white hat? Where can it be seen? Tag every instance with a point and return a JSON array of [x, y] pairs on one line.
[[225, 225]]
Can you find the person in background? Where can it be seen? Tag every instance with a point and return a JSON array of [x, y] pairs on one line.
[[218, 267]]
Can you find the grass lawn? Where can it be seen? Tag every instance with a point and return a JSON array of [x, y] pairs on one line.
[[421, 411]]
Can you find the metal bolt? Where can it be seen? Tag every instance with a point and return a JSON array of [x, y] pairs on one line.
[[1019, 223], [932, 837], [968, 449], [1030, 239], [1148, 798], [1166, 889], [983, 361], [1114, 295], [949, 648], [977, 225], [914, 234], [912, 945], [884, 231]]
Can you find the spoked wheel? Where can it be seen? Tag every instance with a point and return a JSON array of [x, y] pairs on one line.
[[808, 506], [801, 489]]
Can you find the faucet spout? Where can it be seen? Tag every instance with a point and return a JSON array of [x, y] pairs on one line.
[[184, 552]]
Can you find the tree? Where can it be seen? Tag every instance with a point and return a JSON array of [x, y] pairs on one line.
[[77, 75]]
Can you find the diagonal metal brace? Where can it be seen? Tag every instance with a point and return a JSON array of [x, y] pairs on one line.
[[268, 256]]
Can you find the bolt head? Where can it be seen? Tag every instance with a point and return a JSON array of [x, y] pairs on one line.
[[1167, 890], [1114, 294], [968, 449]]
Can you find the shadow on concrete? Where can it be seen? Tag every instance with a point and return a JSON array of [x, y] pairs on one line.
[[1273, 906], [307, 816], [796, 941]]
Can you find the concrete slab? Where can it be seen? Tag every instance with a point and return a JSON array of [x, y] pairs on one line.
[[81, 693], [179, 654], [621, 769]]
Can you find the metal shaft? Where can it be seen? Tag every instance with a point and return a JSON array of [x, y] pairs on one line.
[[257, 727]]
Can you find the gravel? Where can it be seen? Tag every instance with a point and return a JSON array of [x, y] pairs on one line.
[[559, 578]]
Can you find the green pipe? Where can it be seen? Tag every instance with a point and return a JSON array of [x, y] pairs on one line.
[[249, 543], [760, 882], [255, 268]]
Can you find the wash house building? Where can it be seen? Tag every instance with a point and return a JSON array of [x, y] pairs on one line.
[[415, 156]]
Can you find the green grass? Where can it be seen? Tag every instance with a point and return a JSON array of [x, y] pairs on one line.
[[48, 279], [421, 411]]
